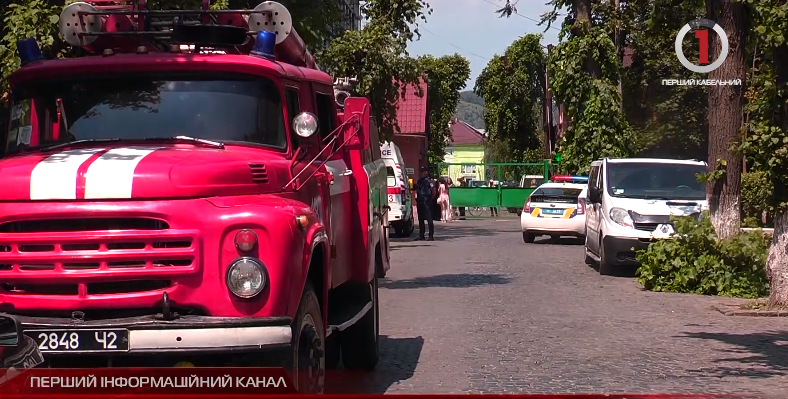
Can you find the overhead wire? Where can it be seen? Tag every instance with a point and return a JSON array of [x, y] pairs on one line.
[[521, 15], [454, 45]]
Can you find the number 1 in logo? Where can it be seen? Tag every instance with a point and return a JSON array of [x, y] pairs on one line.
[[703, 38]]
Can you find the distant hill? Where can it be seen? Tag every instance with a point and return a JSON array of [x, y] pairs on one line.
[[471, 114], [470, 109], [469, 97]]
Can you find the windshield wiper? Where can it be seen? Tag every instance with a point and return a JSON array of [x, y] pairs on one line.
[[207, 143], [77, 142]]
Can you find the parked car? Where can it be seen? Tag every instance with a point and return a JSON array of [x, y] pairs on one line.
[[556, 209]]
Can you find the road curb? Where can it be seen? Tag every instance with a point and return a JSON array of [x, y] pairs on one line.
[[736, 310]]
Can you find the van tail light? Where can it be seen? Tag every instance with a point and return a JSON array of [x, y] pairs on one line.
[[527, 208], [581, 206], [402, 195]]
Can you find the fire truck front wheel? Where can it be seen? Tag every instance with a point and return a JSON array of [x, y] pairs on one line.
[[309, 343], [360, 343]]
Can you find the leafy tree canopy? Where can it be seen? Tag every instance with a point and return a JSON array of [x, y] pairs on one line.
[[511, 86], [445, 76], [377, 56]]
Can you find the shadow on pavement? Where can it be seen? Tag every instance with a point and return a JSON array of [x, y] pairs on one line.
[[561, 241], [759, 355], [462, 280], [398, 360]]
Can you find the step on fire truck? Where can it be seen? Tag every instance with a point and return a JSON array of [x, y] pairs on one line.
[[192, 192]]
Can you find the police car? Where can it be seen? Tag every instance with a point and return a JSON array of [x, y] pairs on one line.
[[557, 208]]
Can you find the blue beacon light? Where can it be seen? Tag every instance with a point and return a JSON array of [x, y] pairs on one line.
[[28, 50], [264, 44]]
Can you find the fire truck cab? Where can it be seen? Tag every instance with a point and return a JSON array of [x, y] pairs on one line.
[[191, 192]]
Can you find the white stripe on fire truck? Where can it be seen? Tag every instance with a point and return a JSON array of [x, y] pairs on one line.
[[56, 176], [112, 174]]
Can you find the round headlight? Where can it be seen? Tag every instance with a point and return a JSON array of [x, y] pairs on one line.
[[246, 278], [305, 124]]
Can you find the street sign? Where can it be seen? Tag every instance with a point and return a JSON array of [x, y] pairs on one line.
[[409, 171]]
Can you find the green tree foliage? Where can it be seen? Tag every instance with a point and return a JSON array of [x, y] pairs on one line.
[[445, 77], [667, 121], [584, 75], [377, 56], [512, 88], [766, 145]]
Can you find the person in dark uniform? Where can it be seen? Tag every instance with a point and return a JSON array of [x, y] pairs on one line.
[[425, 193], [463, 183]]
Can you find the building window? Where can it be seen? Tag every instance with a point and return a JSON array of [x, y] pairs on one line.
[[469, 169]]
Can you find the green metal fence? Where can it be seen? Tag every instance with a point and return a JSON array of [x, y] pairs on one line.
[[516, 181]]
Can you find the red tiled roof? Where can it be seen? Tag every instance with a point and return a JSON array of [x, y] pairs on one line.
[[412, 111], [464, 134]]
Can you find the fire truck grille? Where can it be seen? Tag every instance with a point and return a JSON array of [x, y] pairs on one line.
[[103, 288], [96, 262]]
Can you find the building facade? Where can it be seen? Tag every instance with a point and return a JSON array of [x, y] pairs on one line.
[[349, 19], [467, 150]]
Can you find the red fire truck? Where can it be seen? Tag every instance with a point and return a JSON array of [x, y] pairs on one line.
[[190, 192]]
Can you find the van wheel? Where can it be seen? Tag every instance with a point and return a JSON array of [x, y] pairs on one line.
[[308, 362], [605, 268], [528, 237], [360, 342]]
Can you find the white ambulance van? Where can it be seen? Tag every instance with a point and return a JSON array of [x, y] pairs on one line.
[[400, 205]]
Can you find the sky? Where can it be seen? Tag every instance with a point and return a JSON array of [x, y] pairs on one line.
[[473, 29]]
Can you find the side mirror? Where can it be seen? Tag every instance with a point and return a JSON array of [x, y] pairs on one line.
[[305, 125], [594, 195], [9, 331], [356, 136]]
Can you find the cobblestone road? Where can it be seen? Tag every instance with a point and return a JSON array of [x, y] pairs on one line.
[[479, 311]]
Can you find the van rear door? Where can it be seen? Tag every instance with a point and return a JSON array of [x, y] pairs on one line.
[[394, 189]]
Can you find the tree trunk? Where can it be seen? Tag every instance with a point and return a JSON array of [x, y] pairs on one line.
[[725, 118], [777, 262]]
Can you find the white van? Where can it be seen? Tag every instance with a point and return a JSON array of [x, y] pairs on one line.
[[630, 202], [400, 205]]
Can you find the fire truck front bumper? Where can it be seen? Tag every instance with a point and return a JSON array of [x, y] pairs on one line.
[[156, 334]]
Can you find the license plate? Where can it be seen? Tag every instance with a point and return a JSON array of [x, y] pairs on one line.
[[59, 341], [553, 211]]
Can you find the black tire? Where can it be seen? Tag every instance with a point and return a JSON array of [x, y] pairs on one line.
[[555, 238], [333, 351], [519, 212], [605, 268], [528, 238], [399, 231], [308, 360], [361, 342]]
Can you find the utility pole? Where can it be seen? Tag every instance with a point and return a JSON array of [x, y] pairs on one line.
[[617, 35], [547, 102]]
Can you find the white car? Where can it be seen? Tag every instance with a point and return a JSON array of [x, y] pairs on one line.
[[555, 209]]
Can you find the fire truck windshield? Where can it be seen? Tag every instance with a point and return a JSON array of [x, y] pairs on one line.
[[221, 109]]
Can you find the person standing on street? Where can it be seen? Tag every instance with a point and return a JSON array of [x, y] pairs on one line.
[[425, 192]]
